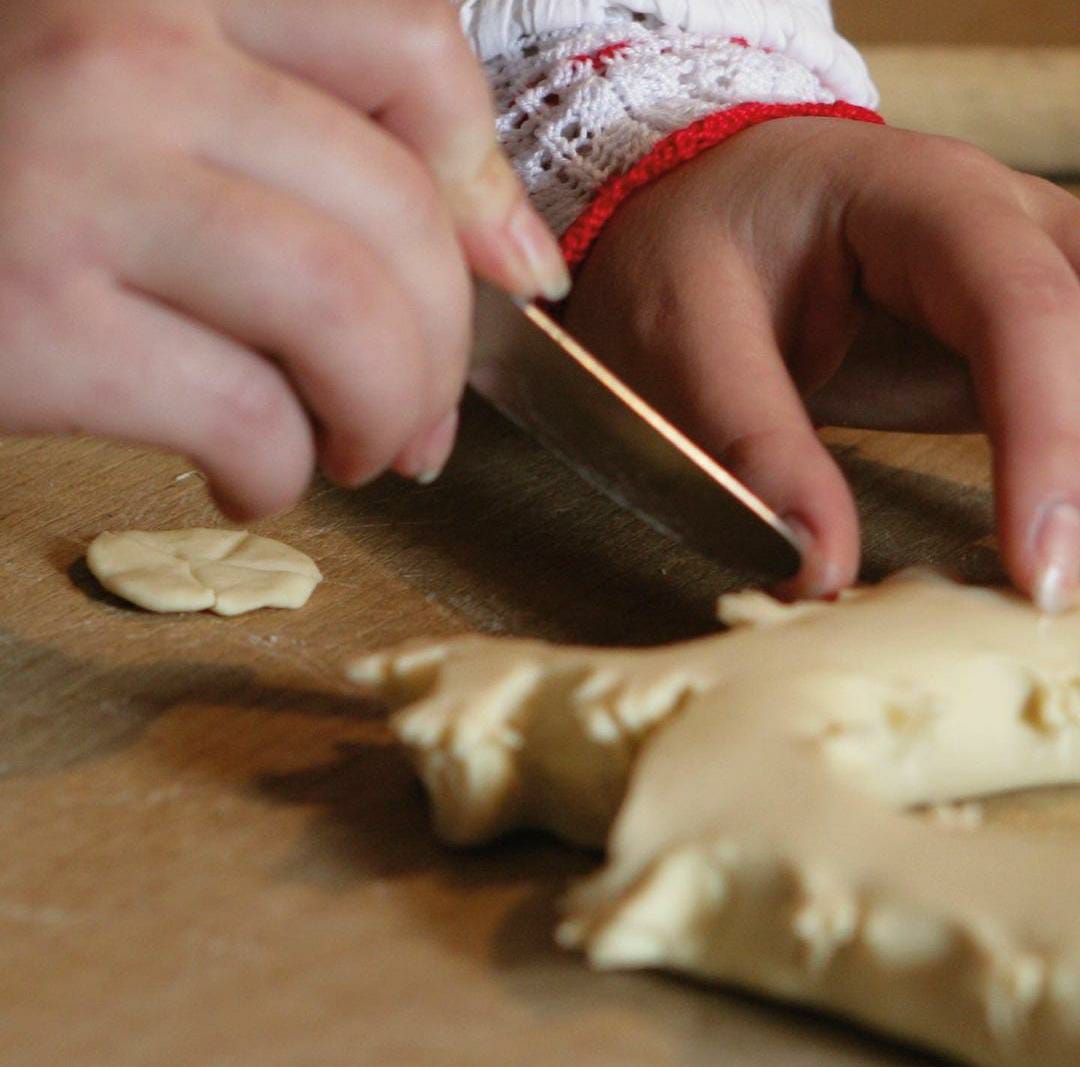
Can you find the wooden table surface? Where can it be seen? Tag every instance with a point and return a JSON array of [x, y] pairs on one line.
[[213, 853], [215, 856]]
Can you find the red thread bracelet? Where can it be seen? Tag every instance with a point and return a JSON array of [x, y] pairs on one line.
[[680, 147]]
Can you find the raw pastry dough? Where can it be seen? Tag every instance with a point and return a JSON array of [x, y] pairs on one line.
[[226, 571], [761, 780]]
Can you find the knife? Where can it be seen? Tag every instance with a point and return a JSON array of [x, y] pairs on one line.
[[553, 388]]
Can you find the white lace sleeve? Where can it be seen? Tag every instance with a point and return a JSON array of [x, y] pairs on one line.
[[595, 98], [801, 29]]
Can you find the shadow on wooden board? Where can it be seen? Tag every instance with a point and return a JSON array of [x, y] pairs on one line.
[[46, 727], [913, 519], [516, 543], [699, 1016], [371, 824]]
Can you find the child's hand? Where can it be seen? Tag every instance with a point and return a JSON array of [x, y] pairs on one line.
[[730, 291], [241, 229]]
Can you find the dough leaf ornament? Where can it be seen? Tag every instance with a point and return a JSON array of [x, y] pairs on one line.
[[755, 788]]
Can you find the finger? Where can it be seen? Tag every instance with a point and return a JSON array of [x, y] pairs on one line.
[[425, 456], [745, 409], [996, 288], [111, 363], [724, 382], [282, 278], [409, 64], [317, 150]]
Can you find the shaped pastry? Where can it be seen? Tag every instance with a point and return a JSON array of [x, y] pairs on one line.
[[759, 784]]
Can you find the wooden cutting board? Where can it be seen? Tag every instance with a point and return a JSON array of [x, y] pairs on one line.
[[214, 855]]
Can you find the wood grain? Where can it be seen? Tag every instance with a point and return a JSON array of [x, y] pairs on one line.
[[214, 855]]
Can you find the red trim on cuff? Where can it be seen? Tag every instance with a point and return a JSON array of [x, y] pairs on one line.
[[680, 147]]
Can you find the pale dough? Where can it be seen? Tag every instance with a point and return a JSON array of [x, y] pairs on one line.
[[227, 572], [753, 790]]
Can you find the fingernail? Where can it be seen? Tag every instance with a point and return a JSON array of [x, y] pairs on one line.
[[425, 458], [818, 576], [537, 262], [1057, 558]]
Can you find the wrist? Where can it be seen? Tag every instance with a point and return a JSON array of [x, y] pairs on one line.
[[588, 116], [679, 148]]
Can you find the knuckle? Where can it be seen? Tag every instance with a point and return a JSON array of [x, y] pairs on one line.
[[421, 220], [952, 154], [43, 229], [412, 209], [343, 285], [1041, 289], [45, 297], [254, 405], [1037, 186], [361, 315], [382, 411], [72, 35], [87, 46], [1040, 198], [745, 449], [421, 207], [350, 292], [935, 160], [433, 33]]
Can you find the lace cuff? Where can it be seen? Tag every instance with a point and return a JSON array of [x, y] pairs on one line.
[[589, 115]]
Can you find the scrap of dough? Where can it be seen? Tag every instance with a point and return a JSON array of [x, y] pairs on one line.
[[225, 571], [760, 781]]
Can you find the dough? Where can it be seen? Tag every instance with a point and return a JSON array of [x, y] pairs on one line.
[[755, 787], [226, 571]]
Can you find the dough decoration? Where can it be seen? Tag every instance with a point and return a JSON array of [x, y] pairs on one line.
[[756, 793], [225, 571]]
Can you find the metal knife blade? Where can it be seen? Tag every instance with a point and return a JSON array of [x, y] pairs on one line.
[[542, 379]]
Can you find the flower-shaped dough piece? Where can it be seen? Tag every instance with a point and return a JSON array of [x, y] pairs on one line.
[[227, 572], [758, 787]]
